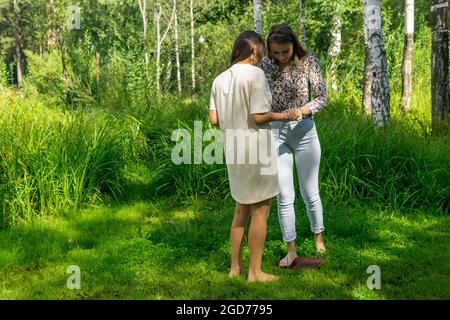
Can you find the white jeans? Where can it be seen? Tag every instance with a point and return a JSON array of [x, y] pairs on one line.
[[298, 140]]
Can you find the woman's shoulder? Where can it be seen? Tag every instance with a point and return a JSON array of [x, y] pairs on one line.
[[250, 72], [243, 72], [257, 75]]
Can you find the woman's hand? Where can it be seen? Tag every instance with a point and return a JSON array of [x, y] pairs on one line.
[[306, 111], [295, 114]]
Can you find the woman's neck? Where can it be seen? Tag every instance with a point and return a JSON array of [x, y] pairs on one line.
[[246, 61]]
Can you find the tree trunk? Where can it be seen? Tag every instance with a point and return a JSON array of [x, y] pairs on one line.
[[158, 46], [303, 22], [65, 73], [334, 49], [59, 38], [19, 69], [159, 41], [97, 70], [143, 8], [169, 70], [51, 34], [405, 102], [192, 45], [439, 66], [367, 91], [257, 16], [177, 47], [378, 64], [11, 73]]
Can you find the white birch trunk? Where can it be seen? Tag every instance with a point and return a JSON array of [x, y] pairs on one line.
[[257, 16], [65, 72], [169, 71], [177, 47], [439, 66], [367, 86], [51, 34], [192, 44], [158, 46], [143, 8], [59, 39], [378, 64], [160, 40], [303, 22], [405, 102], [335, 49]]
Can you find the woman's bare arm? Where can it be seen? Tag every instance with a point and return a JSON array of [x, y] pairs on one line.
[[261, 118], [213, 118]]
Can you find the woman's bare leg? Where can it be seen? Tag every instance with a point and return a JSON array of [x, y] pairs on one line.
[[256, 240], [237, 235]]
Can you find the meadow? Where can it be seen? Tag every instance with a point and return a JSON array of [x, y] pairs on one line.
[[99, 191], [87, 181]]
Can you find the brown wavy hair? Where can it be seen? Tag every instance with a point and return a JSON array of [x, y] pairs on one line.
[[283, 33], [246, 43]]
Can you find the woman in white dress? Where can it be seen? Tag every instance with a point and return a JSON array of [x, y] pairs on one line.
[[240, 104]]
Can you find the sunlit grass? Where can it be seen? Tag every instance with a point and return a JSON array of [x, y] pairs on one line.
[[52, 159], [157, 250]]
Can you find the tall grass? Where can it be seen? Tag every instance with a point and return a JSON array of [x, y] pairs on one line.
[[185, 180], [400, 167], [52, 159]]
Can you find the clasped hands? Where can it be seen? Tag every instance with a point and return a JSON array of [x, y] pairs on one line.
[[293, 114]]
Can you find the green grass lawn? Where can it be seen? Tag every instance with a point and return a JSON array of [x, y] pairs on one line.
[[157, 250]]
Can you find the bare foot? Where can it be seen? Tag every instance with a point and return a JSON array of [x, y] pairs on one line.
[[262, 276], [237, 272], [287, 260], [320, 246]]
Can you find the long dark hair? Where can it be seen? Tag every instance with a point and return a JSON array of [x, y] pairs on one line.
[[283, 33], [246, 43]]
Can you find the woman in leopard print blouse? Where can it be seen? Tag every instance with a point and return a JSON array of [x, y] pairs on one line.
[[294, 75]]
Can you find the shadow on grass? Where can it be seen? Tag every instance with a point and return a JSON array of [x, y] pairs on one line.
[[159, 250], [411, 249]]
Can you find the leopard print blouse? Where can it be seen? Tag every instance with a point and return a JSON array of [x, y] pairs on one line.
[[291, 88]]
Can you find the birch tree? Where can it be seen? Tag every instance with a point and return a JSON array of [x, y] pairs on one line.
[[407, 56], [303, 22], [335, 47], [51, 37], [439, 65], [380, 97], [191, 10], [177, 46], [160, 40], [257, 16], [367, 85], [61, 26], [143, 9]]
